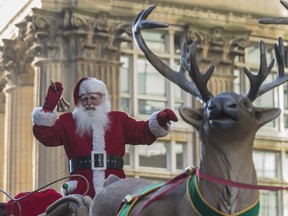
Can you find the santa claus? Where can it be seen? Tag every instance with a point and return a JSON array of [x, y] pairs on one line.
[[93, 136]]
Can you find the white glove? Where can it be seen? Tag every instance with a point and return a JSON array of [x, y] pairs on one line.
[[68, 187]]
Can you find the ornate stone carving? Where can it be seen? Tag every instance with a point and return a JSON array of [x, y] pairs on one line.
[[217, 46], [74, 33], [16, 60], [2, 96], [46, 25]]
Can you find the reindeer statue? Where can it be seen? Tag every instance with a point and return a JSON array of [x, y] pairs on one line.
[[225, 182]]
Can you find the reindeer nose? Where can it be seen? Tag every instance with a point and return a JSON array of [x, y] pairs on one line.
[[230, 105], [222, 103], [221, 106]]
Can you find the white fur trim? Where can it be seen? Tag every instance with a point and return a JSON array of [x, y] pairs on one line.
[[98, 145], [64, 192], [92, 85], [41, 118], [71, 187], [155, 128]]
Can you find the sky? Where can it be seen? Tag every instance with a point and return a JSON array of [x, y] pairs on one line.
[[8, 9]]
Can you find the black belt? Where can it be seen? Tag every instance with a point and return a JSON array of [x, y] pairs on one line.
[[100, 161]]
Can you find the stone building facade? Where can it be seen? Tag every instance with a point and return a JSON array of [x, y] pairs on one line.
[[67, 40]]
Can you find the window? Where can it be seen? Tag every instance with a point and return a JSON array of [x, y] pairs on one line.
[[269, 203], [151, 88], [154, 155], [147, 107], [237, 81], [143, 91], [253, 54], [176, 90], [125, 87], [179, 156], [126, 157], [267, 100], [150, 81], [266, 163], [155, 40], [286, 170]]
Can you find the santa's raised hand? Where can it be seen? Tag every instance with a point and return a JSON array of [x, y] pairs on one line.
[[165, 116], [53, 95]]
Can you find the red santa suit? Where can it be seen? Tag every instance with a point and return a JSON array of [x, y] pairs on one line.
[[121, 130]]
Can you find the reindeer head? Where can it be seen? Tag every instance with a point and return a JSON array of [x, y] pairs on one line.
[[228, 112]]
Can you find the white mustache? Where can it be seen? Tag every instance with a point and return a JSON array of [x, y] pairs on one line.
[[90, 107]]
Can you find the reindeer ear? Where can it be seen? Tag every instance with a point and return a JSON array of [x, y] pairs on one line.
[[191, 115], [265, 115]]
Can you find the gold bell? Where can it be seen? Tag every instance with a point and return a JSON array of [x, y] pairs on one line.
[[62, 104], [190, 170], [128, 199]]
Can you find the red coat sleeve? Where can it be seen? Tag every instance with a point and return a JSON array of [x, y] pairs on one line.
[[55, 135], [135, 132]]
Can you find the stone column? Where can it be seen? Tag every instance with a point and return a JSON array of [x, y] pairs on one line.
[[2, 132], [18, 144]]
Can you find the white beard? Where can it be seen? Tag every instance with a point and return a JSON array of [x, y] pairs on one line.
[[89, 118], [94, 121]]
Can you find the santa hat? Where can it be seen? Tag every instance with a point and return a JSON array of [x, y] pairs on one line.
[[89, 85]]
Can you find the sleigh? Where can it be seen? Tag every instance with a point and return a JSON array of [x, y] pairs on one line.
[[43, 201], [225, 182]]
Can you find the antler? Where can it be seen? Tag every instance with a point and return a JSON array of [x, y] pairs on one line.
[[257, 80], [200, 79], [179, 78], [281, 77]]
